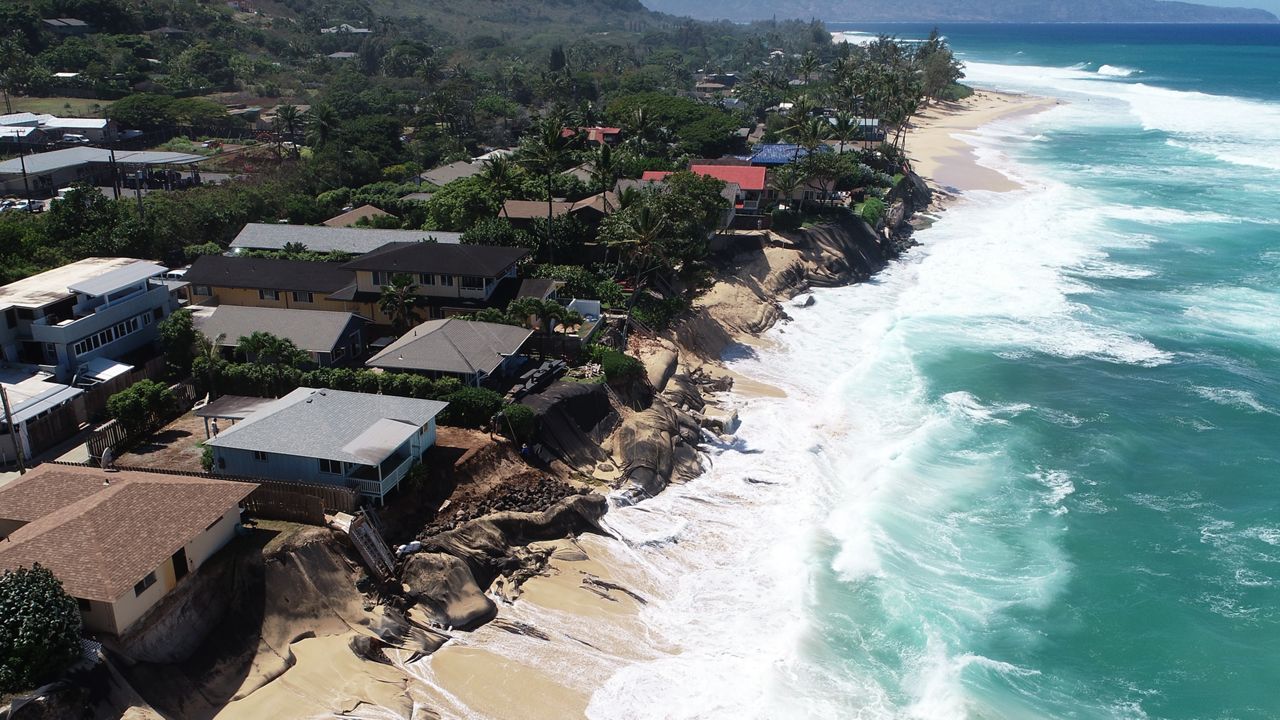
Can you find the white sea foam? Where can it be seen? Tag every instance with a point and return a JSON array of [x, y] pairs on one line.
[[1233, 397], [1117, 71]]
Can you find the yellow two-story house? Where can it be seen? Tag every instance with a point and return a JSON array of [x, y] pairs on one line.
[[449, 279]]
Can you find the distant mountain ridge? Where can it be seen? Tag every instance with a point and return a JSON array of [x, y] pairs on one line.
[[1099, 11]]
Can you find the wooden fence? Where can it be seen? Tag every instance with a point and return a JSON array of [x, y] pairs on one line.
[[95, 398], [112, 434], [273, 499]]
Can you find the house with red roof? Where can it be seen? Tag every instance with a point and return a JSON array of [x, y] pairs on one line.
[[750, 181], [596, 134]]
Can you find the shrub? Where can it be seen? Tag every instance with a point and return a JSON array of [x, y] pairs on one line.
[[471, 407], [39, 628], [872, 210], [658, 314], [617, 365], [206, 457], [518, 422], [142, 406], [784, 220]]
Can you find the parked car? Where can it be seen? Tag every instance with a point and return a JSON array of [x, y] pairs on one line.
[[73, 139], [23, 206]]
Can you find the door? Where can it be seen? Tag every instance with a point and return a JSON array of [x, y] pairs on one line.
[[180, 564]]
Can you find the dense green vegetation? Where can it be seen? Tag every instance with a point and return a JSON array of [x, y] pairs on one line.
[[39, 628]]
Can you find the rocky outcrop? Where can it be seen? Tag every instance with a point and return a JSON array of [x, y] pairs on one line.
[[444, 586], [573, 419], [447, 577]]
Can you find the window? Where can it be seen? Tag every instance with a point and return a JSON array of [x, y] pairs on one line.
[[380, 278], [303, 297], [259, 455], [144, 583], [268, 295], [202, 290], [111, 334], [339, 353], [332, 467], [470, 282], [426, 279], [446, 280]]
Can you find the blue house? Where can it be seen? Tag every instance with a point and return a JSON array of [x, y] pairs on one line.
[[358, 440], [96, 309]]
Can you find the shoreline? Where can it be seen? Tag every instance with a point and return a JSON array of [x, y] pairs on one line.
[[939, 153], [951, 168]]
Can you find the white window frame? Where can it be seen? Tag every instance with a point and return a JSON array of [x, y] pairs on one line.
[[268, 294], [303, 296]]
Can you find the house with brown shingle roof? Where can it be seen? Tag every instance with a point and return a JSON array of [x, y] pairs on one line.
[[118, 541], [351, 217]]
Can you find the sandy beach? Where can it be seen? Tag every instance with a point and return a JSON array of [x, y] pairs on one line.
[[937, 148], [488, 683]]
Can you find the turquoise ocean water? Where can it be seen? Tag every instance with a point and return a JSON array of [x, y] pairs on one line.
[[1032, 470]]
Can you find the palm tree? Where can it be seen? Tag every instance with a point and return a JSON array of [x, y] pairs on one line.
[[641, 240], [786, 179], [545, 151], [322, 125], [499, 173], [209, 349], [289, 120], [263, 348], [845, 128], [808, 65], [399, 301]]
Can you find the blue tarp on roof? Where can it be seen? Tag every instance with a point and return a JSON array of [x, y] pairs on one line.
[[780, 153]]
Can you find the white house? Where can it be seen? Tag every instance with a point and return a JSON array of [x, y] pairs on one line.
[[118, 541]]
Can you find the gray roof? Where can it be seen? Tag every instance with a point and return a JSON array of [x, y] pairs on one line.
[[446, 174], [232, 407], [451, 345], [479, 260], [83, 155], [113, 280], [52, 398], [311, 330], [328, 424], [318, 238]]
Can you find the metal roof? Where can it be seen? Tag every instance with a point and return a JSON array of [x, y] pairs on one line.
[[53, 397], [84, 155], [321, 423], [268, 274], [113, 280], [318, 238], [781, 153]]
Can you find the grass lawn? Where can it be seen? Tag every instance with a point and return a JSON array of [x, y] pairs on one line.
[[80, 107]]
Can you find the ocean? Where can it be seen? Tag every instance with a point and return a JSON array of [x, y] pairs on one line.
[[1032, 469]]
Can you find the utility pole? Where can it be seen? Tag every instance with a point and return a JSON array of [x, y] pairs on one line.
[[13, 432], [26, 186], [115, 175]]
